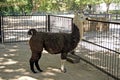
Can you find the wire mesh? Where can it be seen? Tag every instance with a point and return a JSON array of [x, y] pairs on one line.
[[16, 27], [104, 48]]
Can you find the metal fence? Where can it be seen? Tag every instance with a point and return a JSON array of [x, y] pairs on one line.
[[100, 46], [15, 28], [59, 24], [110, 17]]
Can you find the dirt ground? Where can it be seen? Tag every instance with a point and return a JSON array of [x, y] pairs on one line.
[[14, 65]]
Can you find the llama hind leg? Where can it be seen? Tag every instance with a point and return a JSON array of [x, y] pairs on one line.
[[36, 63], [63, 60], [34, 60], [37, 66], [32, 66]]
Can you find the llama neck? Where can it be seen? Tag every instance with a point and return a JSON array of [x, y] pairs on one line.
[[75, 33]]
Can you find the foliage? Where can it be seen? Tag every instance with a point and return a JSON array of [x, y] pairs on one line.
[[108, 2], [114, 11], [33, 6], [12, 6]]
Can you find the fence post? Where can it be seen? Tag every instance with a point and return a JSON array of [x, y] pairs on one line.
[[49, 23], [0, 29], [72, 25], [46, 25]]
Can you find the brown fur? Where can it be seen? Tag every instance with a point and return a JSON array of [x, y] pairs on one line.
[[54, 43]]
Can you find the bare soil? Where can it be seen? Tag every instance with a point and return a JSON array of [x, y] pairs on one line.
[[14, 65]]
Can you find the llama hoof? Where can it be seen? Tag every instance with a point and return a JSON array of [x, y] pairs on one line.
[[34, 71], [40, 70], [64, 70]]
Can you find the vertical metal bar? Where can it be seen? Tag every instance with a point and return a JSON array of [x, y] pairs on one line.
[[49, 23], [45, 23], [0, 29], [115, 65], [72, 25], [118, 66]]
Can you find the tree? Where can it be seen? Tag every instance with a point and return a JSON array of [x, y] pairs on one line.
[[92, 5], [108, 2], [8, 6], [32, 6], [82, 4], [36, 5]]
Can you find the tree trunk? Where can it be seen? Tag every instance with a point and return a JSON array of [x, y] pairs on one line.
[[108, 6]]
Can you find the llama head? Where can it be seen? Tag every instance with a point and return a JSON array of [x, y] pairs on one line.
[[78, 20], [79, 17]]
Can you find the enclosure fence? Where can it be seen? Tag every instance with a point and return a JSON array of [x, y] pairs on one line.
[[15, 28], [111, 17], [100, 46], [59, 24]]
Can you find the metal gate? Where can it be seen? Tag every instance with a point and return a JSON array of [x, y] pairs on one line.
[[15, 28]]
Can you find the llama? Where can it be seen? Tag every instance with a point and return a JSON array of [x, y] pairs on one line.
[[55, 43]]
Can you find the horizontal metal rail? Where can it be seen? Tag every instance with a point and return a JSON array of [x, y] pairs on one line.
[[109, 22], [100, 46]]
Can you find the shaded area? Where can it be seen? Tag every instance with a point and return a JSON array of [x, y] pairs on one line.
[[14, 65], [105, 60]]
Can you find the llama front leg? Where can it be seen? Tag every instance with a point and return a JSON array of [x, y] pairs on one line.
[[63, 69], [63, 60]]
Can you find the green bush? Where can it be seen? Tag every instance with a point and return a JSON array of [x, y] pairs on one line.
[[114, 11]]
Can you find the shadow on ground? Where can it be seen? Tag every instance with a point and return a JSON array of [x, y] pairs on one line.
[[14, 65]]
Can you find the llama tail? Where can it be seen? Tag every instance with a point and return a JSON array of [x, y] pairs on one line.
[[32, 32]]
